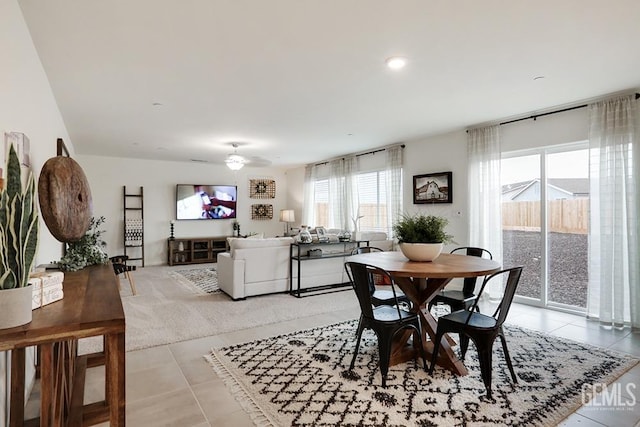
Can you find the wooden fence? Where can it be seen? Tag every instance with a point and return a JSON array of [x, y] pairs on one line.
[[565, 216]]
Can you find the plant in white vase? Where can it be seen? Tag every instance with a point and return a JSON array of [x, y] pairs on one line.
[[421, 237], [18, 244]]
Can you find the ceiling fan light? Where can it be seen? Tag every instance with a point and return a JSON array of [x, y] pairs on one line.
[[396, 62], [234, 162]]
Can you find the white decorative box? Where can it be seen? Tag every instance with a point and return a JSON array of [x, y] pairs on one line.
[[47, 288]]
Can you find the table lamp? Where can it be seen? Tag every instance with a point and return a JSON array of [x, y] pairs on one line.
[[287, 216]]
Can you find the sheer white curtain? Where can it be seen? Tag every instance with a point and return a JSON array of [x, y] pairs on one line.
[[393, 185], [613, 294], [343, 194], [485, 209], [308, 207]]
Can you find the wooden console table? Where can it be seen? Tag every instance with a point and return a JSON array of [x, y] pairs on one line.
[[91, 307]]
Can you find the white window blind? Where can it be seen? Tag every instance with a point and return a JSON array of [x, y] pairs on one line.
[[372, 196]]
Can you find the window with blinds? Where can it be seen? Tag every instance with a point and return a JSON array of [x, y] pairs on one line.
[[372, 196]]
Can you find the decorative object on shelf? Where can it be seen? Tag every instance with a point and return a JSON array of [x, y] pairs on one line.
[[89, 250], [304, 236], [180, 246], [172, 223], [356, 220], [18, 245], [432, 188], [236, 229], [261, 212], [21, 144], [344, 236], [421, 237], [287, 216], [47, 288], [321, 232], [65, 198], [314, 253], [262, 188]]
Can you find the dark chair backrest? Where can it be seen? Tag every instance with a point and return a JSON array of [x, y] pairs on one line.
[[502, 310], [365, 250], [361, 277], [469, 284]]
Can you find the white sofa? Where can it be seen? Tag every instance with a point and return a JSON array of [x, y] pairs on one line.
[[254, 267], [261, 266]]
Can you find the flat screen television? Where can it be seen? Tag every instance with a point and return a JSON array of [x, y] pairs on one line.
[[206, 201]]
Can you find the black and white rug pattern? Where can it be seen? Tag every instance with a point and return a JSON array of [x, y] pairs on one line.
[[303, 378], [202, 280]]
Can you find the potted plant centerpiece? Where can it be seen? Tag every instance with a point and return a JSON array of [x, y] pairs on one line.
[[421, 237], [18, 245]]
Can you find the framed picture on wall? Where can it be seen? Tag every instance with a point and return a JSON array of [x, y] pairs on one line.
[[432, 188]]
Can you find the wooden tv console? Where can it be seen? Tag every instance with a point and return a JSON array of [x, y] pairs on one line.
[[196, 250]]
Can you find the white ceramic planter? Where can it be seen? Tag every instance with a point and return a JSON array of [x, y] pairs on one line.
[[421, 251], [15, 307]]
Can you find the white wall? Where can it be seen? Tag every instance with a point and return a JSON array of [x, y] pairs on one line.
[[27, 105], [107, 176]]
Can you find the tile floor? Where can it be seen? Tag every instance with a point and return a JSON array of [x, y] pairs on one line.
[[172, 385]]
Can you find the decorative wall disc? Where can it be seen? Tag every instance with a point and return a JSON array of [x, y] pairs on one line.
[[65, 198], [262, 188], [261, 211]]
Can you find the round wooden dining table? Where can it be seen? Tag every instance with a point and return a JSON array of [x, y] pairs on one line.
[[421, 281]]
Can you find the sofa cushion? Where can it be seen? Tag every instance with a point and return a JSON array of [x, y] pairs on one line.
[[370, 235], [238, 243]]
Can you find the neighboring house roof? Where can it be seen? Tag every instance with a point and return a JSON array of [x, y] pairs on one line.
[[573, 186]]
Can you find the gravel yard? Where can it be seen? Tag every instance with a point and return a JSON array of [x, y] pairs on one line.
[[568, 272]]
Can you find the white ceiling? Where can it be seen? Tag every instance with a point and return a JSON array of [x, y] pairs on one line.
[[299, 81]]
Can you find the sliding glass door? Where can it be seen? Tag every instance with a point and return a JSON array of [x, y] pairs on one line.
[[545, 211]]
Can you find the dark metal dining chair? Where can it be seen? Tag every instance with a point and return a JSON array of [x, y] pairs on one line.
[[382, 296], [384, 320], [120, 267], [464, 299], [481, 328]]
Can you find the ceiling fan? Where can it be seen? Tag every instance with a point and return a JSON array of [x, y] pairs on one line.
[[235, 161]]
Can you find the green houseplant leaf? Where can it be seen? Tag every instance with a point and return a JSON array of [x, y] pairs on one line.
[[421, 228], [18, 227]]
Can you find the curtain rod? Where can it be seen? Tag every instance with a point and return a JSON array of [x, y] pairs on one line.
[[535, 116], [358, 155]]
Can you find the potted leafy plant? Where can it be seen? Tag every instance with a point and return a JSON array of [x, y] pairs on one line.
[[18, 245], [86, 251], [421, 237]]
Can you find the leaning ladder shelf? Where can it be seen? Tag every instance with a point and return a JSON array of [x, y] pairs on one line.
[[133, 230]]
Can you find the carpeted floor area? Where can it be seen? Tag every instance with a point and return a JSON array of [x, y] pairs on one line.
[[303, 378], [166, 310]]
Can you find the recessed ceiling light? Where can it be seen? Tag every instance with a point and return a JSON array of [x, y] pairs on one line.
[[157, 104], [538, 78], [396, 62]]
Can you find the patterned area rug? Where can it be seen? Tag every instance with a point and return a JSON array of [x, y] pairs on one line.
[[204, 280], [303, 378]]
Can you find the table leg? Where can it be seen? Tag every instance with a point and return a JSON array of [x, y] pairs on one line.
[[115, 378], [16, 416], [46, 384], [420, 292]]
